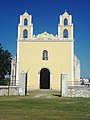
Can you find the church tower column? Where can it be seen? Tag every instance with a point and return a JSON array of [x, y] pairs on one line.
[[65, 27], [25, 27], [65, 33], [25, 32]]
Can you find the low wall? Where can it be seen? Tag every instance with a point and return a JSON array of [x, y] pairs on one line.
[[9, 90], [73, 91], [78, 91]]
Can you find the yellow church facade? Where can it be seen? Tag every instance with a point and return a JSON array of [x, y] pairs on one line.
[[45, 57]]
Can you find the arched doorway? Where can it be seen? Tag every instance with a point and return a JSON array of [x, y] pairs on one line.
[[44, 79]]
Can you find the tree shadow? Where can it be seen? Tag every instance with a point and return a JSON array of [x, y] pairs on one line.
[[57, 95]]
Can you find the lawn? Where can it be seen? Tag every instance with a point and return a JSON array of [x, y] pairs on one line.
[[44, 108]]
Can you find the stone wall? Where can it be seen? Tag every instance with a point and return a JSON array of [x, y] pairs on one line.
[[76, 70], [9, 90], [73, 91], [78, 91]]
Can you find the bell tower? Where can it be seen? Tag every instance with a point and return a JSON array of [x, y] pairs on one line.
[[25, 27], [65, 27]]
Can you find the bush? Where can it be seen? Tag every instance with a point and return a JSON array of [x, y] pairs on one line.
[[5, 81]]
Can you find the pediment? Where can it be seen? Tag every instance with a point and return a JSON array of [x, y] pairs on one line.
[[45, 35], [25, 13], [65, 13]]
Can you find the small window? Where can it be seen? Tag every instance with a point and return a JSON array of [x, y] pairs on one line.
[[45, 55], [25, 34], [25, 22], [65, 33], [65, 21]]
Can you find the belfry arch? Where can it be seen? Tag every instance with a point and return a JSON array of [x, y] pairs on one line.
[[44, 78]]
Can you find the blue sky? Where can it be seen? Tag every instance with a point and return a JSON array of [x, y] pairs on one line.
[[46, 18]]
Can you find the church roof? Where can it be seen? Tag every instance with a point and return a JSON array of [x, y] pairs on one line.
[[45, 35]]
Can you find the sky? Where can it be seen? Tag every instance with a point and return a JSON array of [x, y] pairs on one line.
[[45, 15]]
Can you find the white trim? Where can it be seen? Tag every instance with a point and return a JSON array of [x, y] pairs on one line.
[[59, 30], [60, 19], [31, 30], [18, 32], [20, 19], [50, 80], [38, 80], [47, 40], [70, 19], [17, 72], [30, 19], [72, 31], [72, 58]]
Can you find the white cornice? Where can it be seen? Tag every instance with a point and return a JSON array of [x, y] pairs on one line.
[[43, 40]]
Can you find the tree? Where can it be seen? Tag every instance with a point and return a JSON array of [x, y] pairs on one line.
[[5, 63]]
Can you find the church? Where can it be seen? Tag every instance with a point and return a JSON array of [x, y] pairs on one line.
[[45, 57]]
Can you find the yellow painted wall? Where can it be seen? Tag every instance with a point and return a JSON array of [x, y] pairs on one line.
[[59, 60], [69, 31], [22, 28], [69, 26]]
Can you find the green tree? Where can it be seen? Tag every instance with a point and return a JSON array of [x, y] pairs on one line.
[[5, 63]]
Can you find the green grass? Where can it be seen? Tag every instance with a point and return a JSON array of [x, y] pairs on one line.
[[54, 108]]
